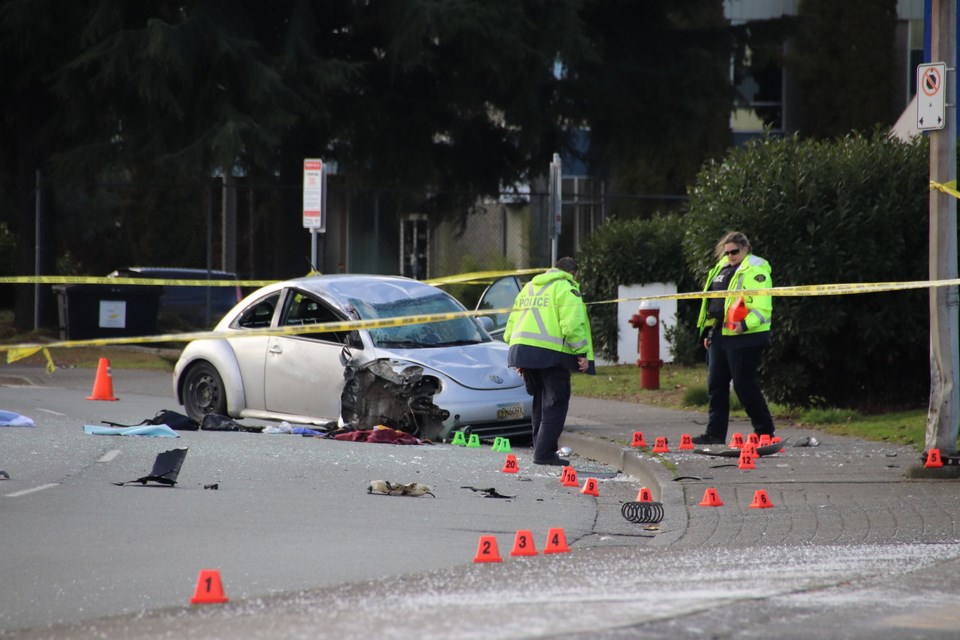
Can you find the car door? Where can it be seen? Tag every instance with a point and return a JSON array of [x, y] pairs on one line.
[[250, 350], [500, 295], [303, 375]]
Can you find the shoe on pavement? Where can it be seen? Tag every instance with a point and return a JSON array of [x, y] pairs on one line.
[[556, 461], [706, 438]]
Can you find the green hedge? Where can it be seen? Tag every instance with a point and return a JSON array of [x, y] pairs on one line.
[[853, 210], [629, 252]]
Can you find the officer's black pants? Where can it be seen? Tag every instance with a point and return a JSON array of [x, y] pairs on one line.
[[551, 399], [740, 365]]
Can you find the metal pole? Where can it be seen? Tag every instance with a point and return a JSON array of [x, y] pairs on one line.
[[555, 206], [228, 223], [207, 315], [36, 253], [325, 215], [942, 416]]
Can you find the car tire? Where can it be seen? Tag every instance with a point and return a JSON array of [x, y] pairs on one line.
[[203, 391]]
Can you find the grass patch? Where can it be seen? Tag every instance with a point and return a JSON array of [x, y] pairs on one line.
[[622, 382], [685, 388], [160, 357], [121, 357], [899, 427]]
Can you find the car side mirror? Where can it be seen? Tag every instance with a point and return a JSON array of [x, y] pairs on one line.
[[486, 322]]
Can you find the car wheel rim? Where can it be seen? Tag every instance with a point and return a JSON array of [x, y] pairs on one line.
[[206, 394]]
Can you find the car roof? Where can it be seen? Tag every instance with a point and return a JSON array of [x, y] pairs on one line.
[[374, 288]]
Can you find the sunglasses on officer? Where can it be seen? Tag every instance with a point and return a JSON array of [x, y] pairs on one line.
[[732, 252]]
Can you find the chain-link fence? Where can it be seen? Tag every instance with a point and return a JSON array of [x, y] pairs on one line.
[[255, 229]]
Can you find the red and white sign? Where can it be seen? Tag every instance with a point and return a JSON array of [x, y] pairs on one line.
[[931, 101], [313, 213]]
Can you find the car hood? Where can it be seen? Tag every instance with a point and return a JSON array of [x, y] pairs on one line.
[[480, 366]]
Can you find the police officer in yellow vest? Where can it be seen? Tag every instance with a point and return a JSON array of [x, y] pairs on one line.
[[735, 331], [549, 336]]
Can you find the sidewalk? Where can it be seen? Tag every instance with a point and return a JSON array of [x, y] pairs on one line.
[[843, 490]]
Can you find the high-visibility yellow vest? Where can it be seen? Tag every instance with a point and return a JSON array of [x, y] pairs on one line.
[[549, 313], [753, 273]]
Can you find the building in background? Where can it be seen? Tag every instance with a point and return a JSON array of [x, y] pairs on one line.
[[767, 94]]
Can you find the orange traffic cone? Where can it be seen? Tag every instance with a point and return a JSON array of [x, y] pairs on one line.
[[765, 439], [686, 442], [590, 487], [556, 542], [510, 464], [638, 440], [523, 544], [760, 500], [103, 384], [711, 498], [644, 495], [487, 550], [753, 439], [736, 440], [660, 446], [746, 460], [209, 588], [569, 477], [933, 459], [736, 313]]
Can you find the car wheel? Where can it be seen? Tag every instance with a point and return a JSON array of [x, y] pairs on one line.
[[203, 391]]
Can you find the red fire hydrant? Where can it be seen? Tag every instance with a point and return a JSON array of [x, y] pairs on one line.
[[647, 320]]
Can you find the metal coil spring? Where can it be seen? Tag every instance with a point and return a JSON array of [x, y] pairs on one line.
[[642, 512]]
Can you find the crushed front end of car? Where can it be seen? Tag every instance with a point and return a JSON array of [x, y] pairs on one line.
[[393, 394]]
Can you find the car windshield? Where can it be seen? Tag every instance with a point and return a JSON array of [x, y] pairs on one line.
[[459, 331]]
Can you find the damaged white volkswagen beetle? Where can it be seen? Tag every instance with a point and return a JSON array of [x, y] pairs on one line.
[[426, 379]]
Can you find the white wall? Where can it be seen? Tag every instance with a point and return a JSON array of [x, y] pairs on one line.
[[627, 335], [744, 10]]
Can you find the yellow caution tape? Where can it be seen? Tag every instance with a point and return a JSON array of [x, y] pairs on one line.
[[472, 277], [949, 188], [481, 276], [802, 290], [19, 351], [134, 281]]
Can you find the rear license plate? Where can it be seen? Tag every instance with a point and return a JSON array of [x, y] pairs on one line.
[[509, 411]]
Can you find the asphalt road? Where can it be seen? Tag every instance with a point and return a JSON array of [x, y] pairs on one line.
[[289, 513]]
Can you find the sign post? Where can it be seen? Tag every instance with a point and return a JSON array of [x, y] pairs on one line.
[[943, 413], [555, 200], [314, 209]]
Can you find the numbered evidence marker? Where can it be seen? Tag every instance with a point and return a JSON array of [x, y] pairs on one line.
[[209, 588], [761, 500], [523, 544], [556, 541], [487, 550]]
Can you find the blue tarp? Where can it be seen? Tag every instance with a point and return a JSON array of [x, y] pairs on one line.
[[11, 419], [151, 430]]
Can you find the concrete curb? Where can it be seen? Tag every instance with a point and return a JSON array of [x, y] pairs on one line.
[[649, 472]]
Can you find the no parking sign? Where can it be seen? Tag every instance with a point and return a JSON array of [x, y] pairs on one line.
[[930, 96]]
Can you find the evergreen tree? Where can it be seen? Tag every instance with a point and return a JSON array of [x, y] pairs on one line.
[[653, 88], [843, 61]]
